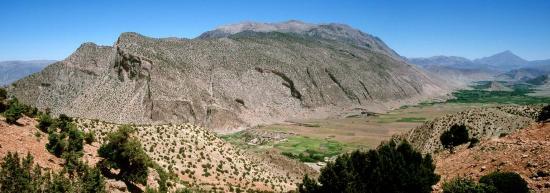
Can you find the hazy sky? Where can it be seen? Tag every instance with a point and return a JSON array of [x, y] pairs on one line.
[[414, 28]]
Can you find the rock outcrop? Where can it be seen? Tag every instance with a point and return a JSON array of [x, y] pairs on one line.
[[483, 123], [227, 82]]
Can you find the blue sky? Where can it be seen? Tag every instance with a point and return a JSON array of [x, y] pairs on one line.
[[414, 28]]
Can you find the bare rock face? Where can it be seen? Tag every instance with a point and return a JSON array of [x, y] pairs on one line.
[[224, 83]]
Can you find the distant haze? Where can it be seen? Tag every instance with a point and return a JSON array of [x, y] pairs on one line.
[[11, 71]]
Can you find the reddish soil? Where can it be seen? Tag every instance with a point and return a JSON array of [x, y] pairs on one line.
[[527, 152], [22, 138]]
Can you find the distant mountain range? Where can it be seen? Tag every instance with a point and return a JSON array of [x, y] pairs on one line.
[[501, 66], [10, 71]]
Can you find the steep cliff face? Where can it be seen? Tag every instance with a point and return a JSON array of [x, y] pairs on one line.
[[223, 83]]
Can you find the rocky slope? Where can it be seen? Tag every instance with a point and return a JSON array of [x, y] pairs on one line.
[[483, 123], [202, 160], [525, 151], [227, 82]]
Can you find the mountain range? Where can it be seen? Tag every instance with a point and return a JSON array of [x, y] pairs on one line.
[[11, 71], [501, 66], [232, 77]]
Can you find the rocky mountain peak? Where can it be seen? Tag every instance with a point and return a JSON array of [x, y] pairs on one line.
[[333, 31]]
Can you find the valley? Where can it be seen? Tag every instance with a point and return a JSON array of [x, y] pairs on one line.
[[318, 140]]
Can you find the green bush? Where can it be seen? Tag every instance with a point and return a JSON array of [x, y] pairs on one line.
[[465, 185], [89, 137], [123, 151], [456, 135], [505, 182], [544, 114], [3, 94], [56, 143], [13, 113], [44, 122], [388, 169], [22, 175]]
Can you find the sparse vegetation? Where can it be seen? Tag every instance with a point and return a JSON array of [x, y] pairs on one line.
[[390, 168]]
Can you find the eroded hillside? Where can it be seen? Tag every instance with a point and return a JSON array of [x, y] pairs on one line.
[[225, 83], [202, 160]]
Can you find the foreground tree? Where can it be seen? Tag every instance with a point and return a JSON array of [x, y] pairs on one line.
[[457, 135], [123, 151], [14, 111], [388, 169], [544, 114]]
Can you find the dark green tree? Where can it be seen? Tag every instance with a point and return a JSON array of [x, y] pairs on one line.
[[3, 94], [544, 114], [56, 143], [44, 122], [391, 168], [505, 182], [456, 135], [466, 185], [89, 137], [123, 151], [13, 113]]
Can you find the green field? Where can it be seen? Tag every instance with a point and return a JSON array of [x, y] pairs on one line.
[[315, 139], [308, 149], [518, 95]]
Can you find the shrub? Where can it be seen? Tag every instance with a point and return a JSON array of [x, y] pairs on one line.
[[44, 122], [465, 185], [3, 94], [56, 143], [389, 168], [544, 114], [457, 135], [21, 175], [124, 152], [505, 182], [89, 137], [13, 113]]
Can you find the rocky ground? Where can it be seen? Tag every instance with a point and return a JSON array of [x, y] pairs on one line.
[[201, 159], [525, 151], [483, 123]]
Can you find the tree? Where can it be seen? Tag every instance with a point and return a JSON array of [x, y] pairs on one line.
[[544, 114], [3, 94], [89, 137], [56, 143], [63, 122], [466, 185], [15, 174], [22, 175], [123, 151], [505, 182], [44, 122], [14, 112], [388, 169], [457, 135]]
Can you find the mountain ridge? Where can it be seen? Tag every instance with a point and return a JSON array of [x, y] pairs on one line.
[[223, 83]]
